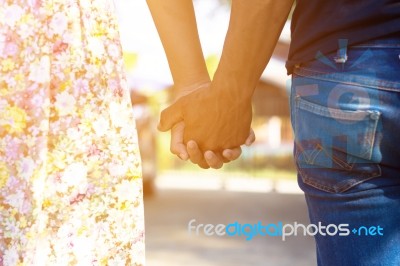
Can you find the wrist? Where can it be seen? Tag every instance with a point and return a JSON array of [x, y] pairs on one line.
[[183, 90], [233, 87]]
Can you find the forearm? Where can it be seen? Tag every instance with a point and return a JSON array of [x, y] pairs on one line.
[[254, 30], [176, 25]]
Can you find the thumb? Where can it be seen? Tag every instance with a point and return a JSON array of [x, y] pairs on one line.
[[177, 146], [170, 116], [251, 138]]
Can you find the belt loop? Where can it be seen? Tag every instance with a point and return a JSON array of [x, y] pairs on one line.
[[341, 55]]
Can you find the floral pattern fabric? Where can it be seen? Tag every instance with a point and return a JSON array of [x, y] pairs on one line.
[[70, 176]]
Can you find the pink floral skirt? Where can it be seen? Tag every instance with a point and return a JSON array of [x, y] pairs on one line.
[[70, 175]]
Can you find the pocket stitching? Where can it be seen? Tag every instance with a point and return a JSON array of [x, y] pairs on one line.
[[320, 110], [343, 186], [347, 184]]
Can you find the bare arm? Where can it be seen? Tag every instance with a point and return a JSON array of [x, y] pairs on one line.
[[254, 30], [176, 25], [219, 117], [177, 28]]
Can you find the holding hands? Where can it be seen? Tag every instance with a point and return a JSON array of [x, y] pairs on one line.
[[207, 126], [211, 122]]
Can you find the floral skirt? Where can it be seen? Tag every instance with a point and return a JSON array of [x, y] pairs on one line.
[[70, 175]]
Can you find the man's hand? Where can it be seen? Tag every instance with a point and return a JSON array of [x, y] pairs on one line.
[[212, 119], [191, 150]]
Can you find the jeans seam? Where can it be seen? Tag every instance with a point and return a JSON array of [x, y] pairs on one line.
[[305, 69], [339, 187], [308, 73], [327, 111], [373, 46]]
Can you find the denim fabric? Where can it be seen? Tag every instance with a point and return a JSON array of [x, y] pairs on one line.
[[346, 120]]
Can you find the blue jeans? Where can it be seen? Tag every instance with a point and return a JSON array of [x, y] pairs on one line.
[[345, 110]]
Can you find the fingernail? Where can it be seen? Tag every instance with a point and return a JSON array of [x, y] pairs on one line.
[[228, 154], [208, 155], [192, 144], [183, 156]]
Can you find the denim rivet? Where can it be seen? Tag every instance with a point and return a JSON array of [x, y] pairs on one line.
[[374, 115]]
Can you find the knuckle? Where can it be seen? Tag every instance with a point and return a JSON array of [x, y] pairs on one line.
[[196, 160], [218, 166], [174, 150], [204, 166]]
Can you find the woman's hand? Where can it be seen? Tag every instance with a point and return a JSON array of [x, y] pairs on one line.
[[207, 159]]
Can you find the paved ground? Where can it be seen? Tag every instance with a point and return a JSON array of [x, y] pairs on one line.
[[169, 243], [220, 180]]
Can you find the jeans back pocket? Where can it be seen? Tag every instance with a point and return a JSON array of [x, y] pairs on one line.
[[334, 147]]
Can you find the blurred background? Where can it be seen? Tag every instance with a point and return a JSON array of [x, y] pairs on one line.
[[260, 186]]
